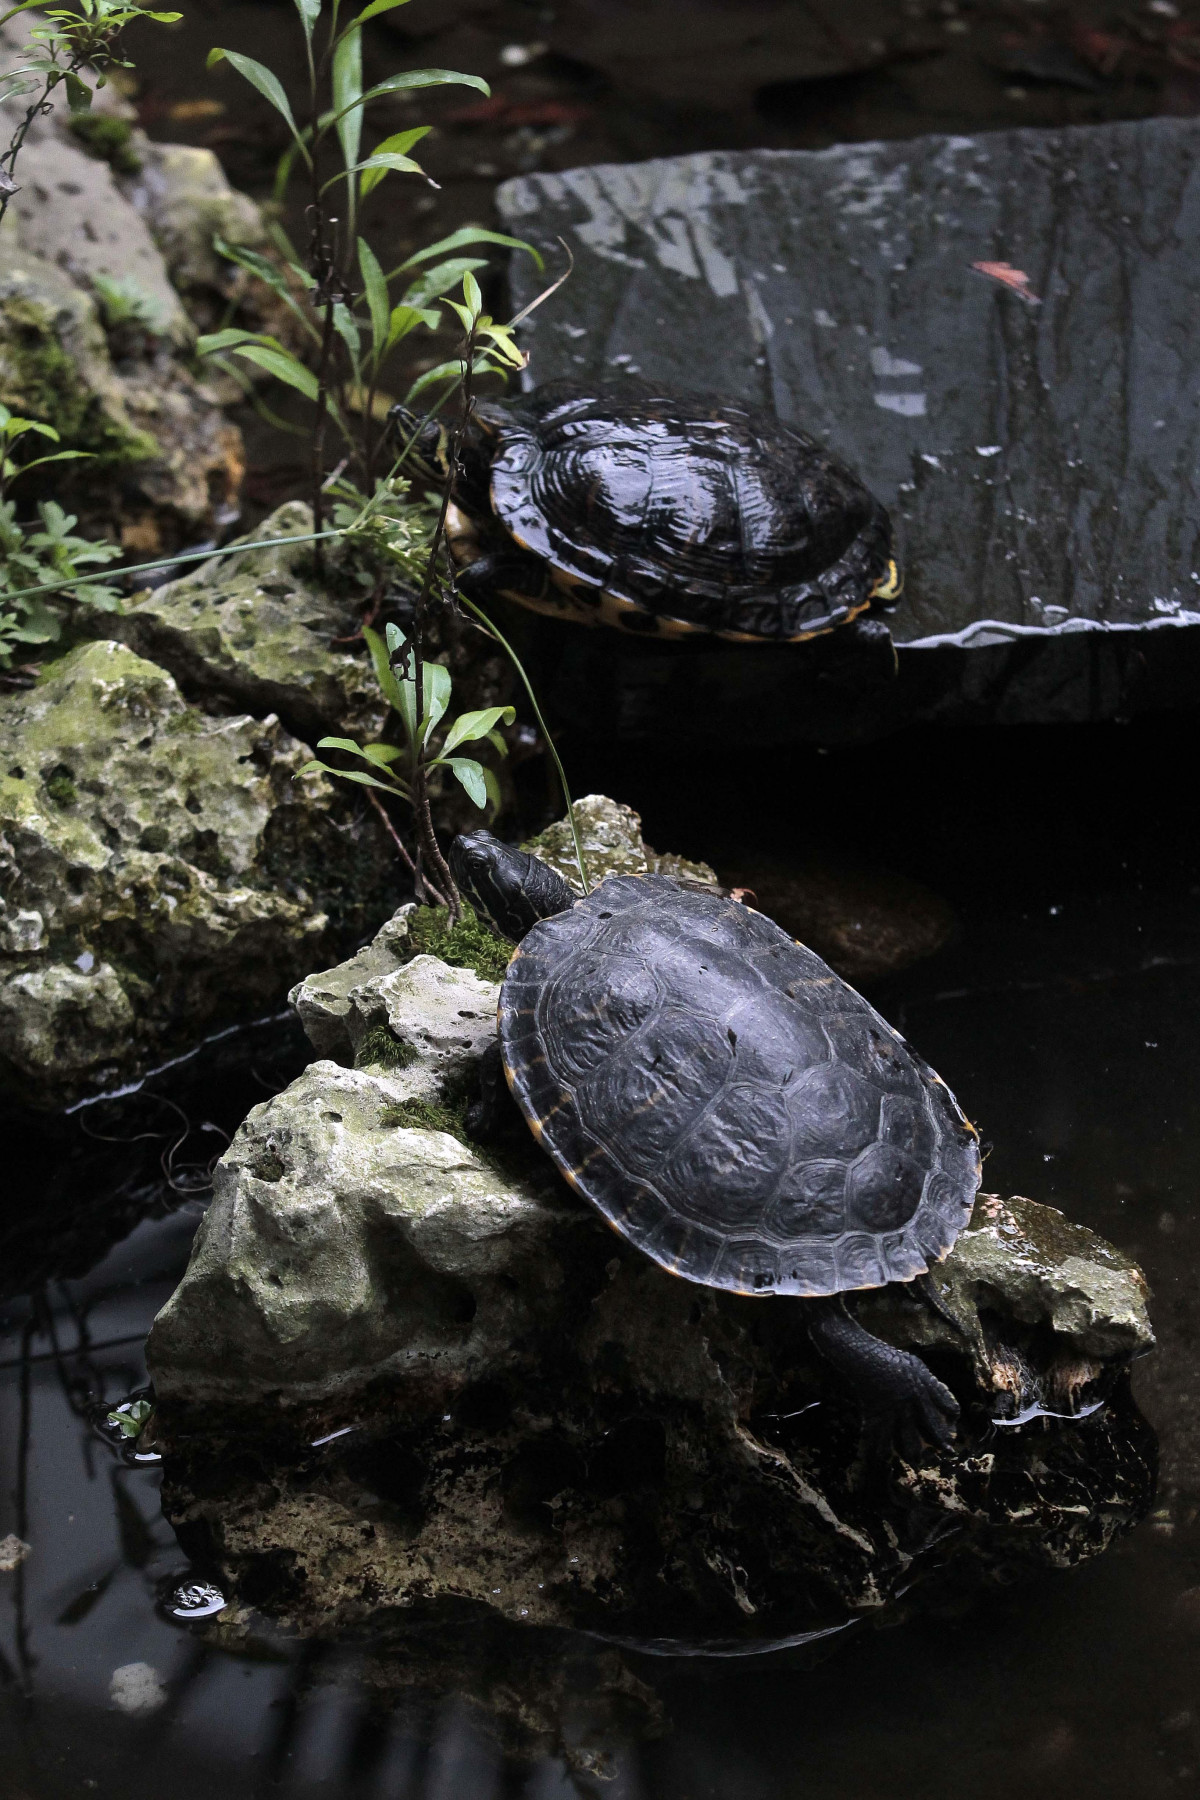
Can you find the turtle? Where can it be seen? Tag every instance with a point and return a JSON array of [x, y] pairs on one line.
[[664, 514], [725, 1101]]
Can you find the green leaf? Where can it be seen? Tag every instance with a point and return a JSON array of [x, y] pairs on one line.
[[405, 319], [340, 743], [268, 85], [435, 680], [447, 371], [310, 12], [493, 788], [347, 94], [359, 775], [59, 456], [472, 777], [399, 144], [415, 78], [283, 365], [271, 274], [439, 280], [382, 754], [470, 234], [346, 326], [378, 164], [79, 94], [476, 725], [497, 742], [472, 294], [225, 340], [391, 689], [376, 7], [377, 296]]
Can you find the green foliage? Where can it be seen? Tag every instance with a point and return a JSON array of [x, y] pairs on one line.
[[123, 303], [353, 320], [468, 945], [108, 139], [130, 1417], [422, 722], [31, 555]]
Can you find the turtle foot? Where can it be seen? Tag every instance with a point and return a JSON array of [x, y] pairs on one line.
[[886, 1379]]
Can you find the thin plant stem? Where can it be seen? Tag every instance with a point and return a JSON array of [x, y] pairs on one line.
[[418, 878], [186, 556], [549, 741]]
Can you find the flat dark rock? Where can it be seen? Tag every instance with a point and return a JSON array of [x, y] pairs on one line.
[[1040, 450]]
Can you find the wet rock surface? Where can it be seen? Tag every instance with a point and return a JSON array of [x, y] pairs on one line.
[[163, 873], [465, 1388], [1052, 566]]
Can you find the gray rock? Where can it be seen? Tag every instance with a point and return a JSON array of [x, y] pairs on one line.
[[464, 1386], [255, 632], [162, 873], [325, 1001], [1036, 457], [610, 835], [165, 462]]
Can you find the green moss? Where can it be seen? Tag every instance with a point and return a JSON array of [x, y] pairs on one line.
[[107, 139], [60, 786], [469, 945], [382, 1049], [39, 380], [427, 1115]]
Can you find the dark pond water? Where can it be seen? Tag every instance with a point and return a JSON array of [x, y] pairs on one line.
[[1063, 1012]]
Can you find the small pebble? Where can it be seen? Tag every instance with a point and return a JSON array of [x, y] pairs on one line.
[[137, 1689], [13, 1551]]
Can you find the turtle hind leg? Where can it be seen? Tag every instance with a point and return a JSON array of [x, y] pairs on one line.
[[887, 1380]]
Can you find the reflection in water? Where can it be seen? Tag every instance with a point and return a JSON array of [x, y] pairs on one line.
[[1069, 1033]]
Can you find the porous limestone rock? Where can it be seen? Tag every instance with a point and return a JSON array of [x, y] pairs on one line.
[[163, 873], [465, 1387], [256, 631], [610, 835]]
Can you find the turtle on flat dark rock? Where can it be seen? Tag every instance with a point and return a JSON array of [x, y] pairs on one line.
[[663, 514], [724, 1100]]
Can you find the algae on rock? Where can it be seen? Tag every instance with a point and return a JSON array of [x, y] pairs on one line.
[[162, 873]]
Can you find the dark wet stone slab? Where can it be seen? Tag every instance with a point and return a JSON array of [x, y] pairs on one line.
[[1041, 455]]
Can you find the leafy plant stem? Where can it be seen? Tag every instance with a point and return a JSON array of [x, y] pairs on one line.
[[318, 436], [517, 664], [437, 898]]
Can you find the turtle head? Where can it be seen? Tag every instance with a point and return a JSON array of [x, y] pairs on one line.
[[423, 443], [508, 888]]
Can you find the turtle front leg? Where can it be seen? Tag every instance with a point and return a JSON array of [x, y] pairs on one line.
[[502, 571], [884, 1378], [486, 1113]]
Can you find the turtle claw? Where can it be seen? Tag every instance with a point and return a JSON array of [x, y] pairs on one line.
[[889, 1381]]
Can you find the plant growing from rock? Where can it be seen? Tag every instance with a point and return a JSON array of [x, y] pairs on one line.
[[58, 52], [47, 553], [337, 289]]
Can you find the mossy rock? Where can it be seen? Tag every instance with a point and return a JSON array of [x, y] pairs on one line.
[[162, 873]]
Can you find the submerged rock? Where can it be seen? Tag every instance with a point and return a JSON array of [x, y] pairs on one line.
[[464, 1387], [865, 922], [162, 873]]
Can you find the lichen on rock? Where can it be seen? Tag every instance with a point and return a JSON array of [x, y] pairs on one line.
[[610, 835], [162, 873]]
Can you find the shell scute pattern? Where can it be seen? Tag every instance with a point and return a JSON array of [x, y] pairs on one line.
[[693, 1080], [756, 529]]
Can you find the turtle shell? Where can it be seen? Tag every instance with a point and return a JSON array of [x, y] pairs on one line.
[[726, 1101], [689, 510]]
